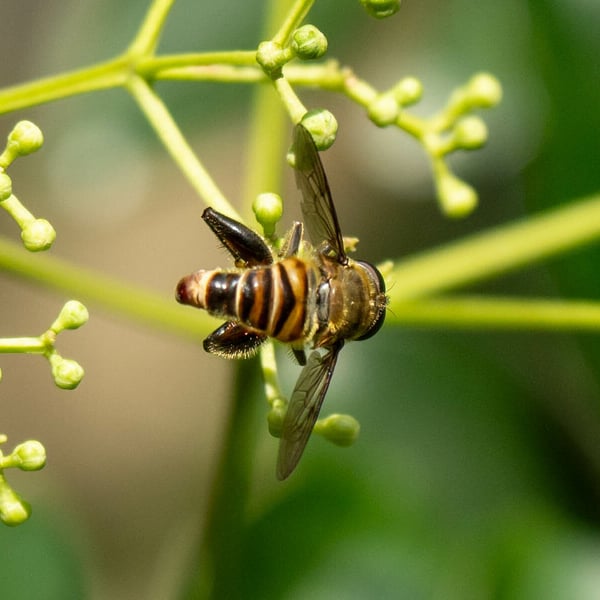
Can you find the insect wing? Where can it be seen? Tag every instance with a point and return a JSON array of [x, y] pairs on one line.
[[304, 408], [317, 207]]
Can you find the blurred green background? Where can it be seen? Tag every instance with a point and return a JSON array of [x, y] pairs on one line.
[[477, 473]]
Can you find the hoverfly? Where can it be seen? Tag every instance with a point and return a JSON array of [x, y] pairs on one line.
[[307, 295]]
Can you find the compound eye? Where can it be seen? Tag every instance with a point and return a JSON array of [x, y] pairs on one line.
[[379, 298], [375, 327]]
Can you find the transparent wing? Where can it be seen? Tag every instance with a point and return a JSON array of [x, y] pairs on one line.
[[317, 207], [304, 408]]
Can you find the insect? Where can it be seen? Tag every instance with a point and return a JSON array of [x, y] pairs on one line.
[[308, 295]]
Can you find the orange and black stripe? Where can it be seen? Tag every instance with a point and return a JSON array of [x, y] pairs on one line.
[[270, 299]]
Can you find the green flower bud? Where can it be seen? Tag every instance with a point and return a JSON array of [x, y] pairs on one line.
[[275, 418], [380, 9], [73, 315], [25, 138], [271, 57], [470, 133], [383, 110], [458, 199], [484, 90], [38, 235], [67, 373], [5, 186], [30, 456], [268, 209], [309, 43], [322, 126], [408, 91], [13, 509], [342, 430]]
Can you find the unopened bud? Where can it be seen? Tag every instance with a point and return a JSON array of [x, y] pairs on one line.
[[342, 430], [308, 42], [67, 373], [275, 418], [322, 125], [380, 9], [484, 90], [408, 91], [458, 199], [271, 57], [31, 456], [384, 109], [470, 133], [268, 209], [72, 315], [25, 138], [38, 235], [13, 509]]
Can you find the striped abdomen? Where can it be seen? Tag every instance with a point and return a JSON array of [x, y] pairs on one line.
[[270, 299]]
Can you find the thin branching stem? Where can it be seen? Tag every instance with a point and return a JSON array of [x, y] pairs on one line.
[[503, 249], [293, 20], [148, 34], [25, 345], [169, 133], [480, 257], [125, 299], [482, 313], [105, 75]]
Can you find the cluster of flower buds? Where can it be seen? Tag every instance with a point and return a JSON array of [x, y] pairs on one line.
[[453, 128], [306, 43], [67, 373], [24, 139], [28, 456]]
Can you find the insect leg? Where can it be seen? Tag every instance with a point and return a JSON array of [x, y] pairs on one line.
[[233, 340], [246, 246], [300, 356], [291, 243]]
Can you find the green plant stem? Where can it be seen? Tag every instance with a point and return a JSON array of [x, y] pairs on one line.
[[222, 544], [148, 34], [155, 66], [268, 364], [492, 253], [23, 345], [292, 21], [482, 256], [213, 73], [473, 312], [94, 288], [218, 556], [109, 74], [175, 143], [265, 151]]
